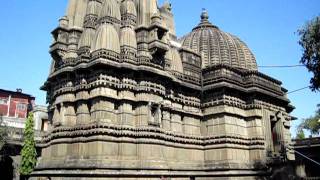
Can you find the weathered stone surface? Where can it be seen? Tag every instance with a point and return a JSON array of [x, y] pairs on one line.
[[133, 103]]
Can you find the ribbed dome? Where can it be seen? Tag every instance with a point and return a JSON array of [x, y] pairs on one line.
[[107, 38], [128, 7], [218, 47], [110, 8], [86, 38], [128, 37]]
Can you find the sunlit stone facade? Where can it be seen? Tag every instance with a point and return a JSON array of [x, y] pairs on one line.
[[128, 99]]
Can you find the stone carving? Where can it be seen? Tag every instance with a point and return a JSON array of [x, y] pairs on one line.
[[128, 100]]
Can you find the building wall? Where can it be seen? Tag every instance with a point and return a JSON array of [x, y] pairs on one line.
[[40, 114], [114, 128], [15, 104]]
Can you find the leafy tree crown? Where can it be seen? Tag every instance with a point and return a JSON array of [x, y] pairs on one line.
[[28, 152], [310, 42]]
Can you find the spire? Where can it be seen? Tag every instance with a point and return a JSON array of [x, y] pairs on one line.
[[90, 21], [167, 5], [145, 9], [204, 15], [128, 13], [205, 20], [110, 12], [92, 13], [76, 12]]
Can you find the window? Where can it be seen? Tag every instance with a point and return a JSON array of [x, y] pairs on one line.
[[3, 101], [21, 107]]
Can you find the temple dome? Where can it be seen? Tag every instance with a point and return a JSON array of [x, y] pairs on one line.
[[107, 38], [86, 38], [218, 47], [128, 37]]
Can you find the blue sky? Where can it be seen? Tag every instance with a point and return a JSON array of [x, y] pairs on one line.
[[267, 26]]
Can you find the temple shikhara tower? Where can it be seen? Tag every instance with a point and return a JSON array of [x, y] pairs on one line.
[[128, 99]]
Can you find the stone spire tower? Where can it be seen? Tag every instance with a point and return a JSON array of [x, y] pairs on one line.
[[145, 10], [128, 101]]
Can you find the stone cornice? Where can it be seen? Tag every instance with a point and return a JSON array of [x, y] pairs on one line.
[[220, 80], [93, 132], [243, 72], [226, 169], [245, 84], [123, 65]]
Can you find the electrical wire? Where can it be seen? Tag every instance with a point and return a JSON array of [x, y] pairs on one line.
[[282, 66], [298, 90], [307, 157]]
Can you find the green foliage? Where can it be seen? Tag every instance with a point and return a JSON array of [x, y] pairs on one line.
[[310, 42], [28, 152], [300, 134], [312, 123]]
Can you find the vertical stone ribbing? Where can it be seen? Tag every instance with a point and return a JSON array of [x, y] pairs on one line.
[[119, 112], [83, 113]]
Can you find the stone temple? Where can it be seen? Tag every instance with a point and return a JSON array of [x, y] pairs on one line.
[[128, 99]]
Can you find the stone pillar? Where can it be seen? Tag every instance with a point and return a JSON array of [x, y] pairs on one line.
[[166, 120], [69, 115], [267, 130], [126, 115], [50, 119], [142, 115], [103, 111], [191, 126], [83, 114], [56, 121], [176, 123]]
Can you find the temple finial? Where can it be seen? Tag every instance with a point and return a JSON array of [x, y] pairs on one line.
[[167, 5], [204, 15]]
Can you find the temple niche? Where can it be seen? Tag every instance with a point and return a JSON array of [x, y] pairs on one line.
[[129, 100]]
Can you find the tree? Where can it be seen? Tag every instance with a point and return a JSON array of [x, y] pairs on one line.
[[312, 123], [300, 134], [28, 152], [3, 133], [310, 42]]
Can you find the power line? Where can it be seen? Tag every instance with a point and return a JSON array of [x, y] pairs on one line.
[[282, 66], [299, 153], [298, 90], [307, 157]]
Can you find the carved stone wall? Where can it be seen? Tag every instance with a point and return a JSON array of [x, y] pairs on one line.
[[122, 106]]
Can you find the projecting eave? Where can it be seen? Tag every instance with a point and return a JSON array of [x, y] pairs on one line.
[[101, 62], [250, 82], [57, 29], [293, 118], [43, 88]]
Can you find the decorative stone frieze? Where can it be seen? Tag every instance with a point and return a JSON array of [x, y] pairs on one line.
[[126, 99]]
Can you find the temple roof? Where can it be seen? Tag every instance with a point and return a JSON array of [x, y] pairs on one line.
[[107, 38], [111, 8], [218, 47], [128, 7]]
